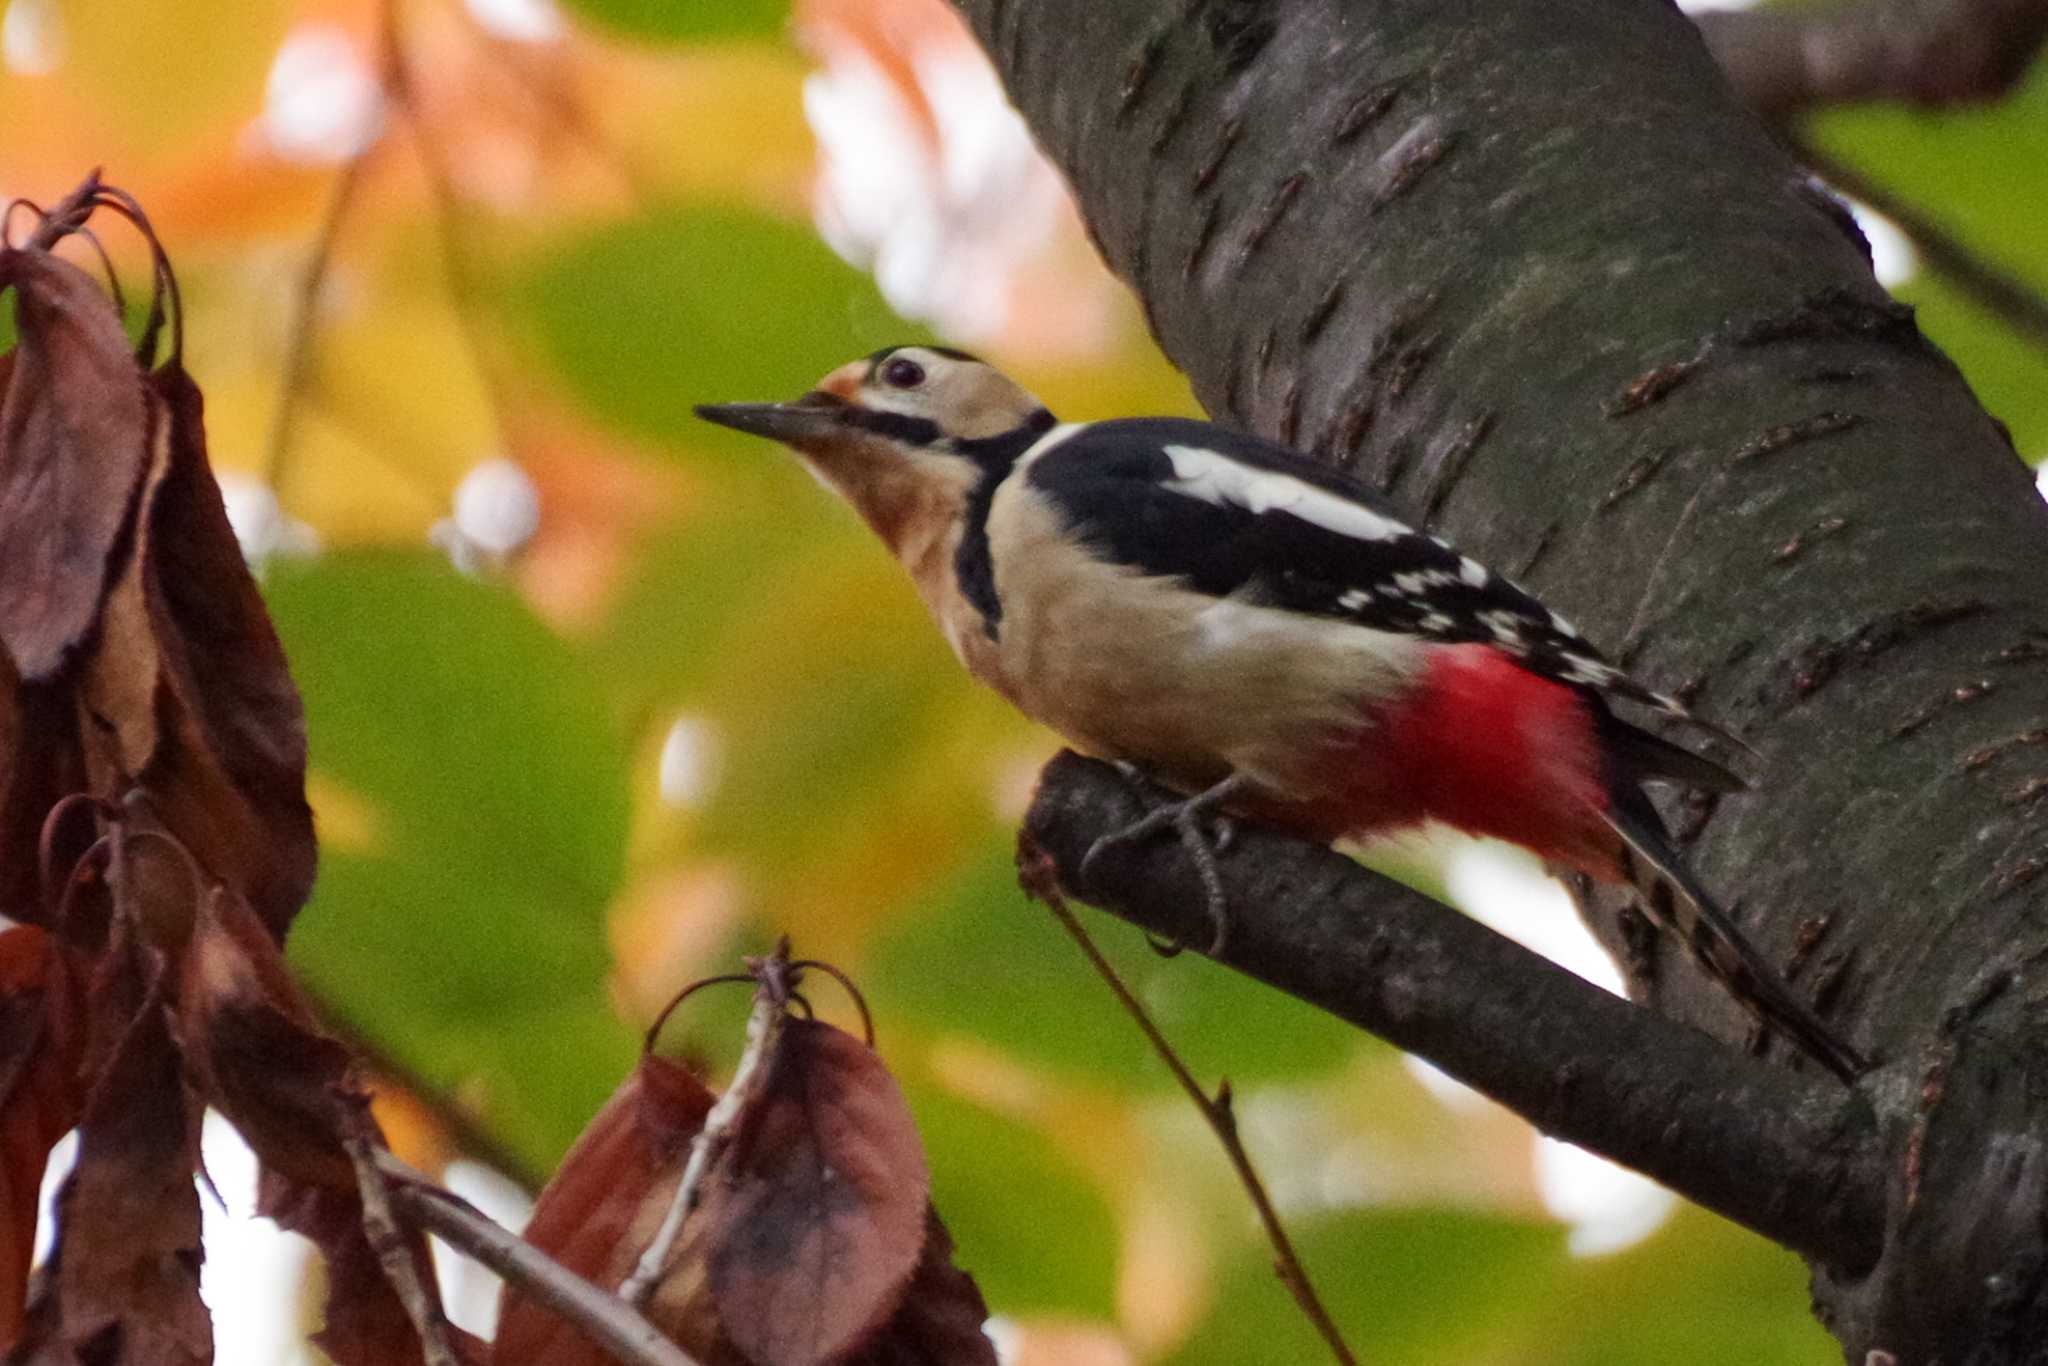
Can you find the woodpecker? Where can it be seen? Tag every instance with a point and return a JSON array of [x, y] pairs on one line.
[[1262, 634]]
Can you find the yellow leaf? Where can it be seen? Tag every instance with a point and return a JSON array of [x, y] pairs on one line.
[[158, 76]]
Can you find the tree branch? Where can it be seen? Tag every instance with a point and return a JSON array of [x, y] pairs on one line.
[[603, 1318], [1533, 271], [1931, 53], [1791, 1156]]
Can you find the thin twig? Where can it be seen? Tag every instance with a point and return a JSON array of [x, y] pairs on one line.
[[298, 356], [764, 1027], [1995, 288], [464, 289], [388, 1241], [1039, 878], [602, 1318], [563, 108], [473, 1138]]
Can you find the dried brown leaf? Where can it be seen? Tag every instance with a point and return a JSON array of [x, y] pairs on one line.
[[186, 691], [602, 1207], [814, 1217], [940, 1320], [366, 1324], [230, 775], [74, 433], [255, 1052], [39, 1101], [124, 591], [123, 1277]]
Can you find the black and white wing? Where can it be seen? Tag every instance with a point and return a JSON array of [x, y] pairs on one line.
[[1230, 514]]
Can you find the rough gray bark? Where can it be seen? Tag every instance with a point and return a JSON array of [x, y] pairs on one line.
[[1534, 270]]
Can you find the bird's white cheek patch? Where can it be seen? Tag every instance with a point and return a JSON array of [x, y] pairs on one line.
[[1217, 479]]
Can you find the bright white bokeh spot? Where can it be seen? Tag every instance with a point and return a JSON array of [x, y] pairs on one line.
[[54, 1171], [1892, 258], [1446, 1089], [32, 37], [1506, 889], [323, 103], [1006, 1335], [254, 1271], [2041, 476], [942, 213], [469, 1292], [261, 528], [1608, 1207], [496, 511], [497, 507], [690, 755], [523, 21]]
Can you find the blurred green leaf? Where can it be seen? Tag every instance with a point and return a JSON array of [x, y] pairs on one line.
[[982, 960], [467, 931], [679, 306], [685, 20], [1405, 1287], [1702, 1290], [1978, 174], [763, 524], [1026, 1223]]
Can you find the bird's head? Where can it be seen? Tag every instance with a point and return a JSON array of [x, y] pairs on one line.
[[905, 434]]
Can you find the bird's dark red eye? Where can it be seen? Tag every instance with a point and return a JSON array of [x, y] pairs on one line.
[[901, 373]]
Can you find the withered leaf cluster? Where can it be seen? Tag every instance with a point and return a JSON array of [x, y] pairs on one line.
[[155, 843], [813, 1241]]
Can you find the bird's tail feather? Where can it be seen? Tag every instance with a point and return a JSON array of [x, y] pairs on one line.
[[1680, 906], [1641, 756]]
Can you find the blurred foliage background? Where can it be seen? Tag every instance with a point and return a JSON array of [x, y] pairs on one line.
[[601, 697]]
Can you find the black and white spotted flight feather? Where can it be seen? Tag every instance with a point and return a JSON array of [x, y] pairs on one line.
[[1230, 514]]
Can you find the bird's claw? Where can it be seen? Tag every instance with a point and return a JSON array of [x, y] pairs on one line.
[[1185, 818]]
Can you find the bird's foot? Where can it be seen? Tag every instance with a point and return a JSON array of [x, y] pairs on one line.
[[1186, 818]]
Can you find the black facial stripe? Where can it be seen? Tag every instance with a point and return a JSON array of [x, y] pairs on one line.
[[973, 564], [912, 431], [996, 454]]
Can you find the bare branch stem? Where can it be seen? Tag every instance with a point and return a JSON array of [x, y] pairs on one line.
[[601, 1317], [462, 1128], [388, 1241], [1041, 880], [464, 289], [305, 318], [1930, 53], [1790, 1155], [764, 1027]]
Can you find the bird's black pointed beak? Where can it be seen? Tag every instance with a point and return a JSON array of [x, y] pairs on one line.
[[813, 417]]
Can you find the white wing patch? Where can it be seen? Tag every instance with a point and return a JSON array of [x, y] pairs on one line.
[[1216, 478]]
